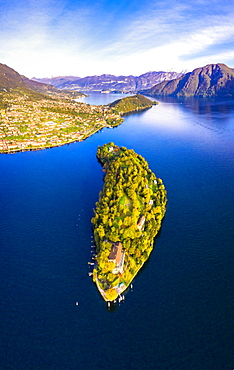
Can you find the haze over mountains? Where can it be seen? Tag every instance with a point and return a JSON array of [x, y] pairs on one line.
[[211, 80], [109, 82]]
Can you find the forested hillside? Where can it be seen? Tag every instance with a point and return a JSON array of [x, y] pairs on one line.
[[131, 104]]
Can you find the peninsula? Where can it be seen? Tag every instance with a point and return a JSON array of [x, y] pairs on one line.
[[131, 104], [127, 218]]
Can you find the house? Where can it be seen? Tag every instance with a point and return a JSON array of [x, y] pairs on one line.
[[117, 256], [141, 222]]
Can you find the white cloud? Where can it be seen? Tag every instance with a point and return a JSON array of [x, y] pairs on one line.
[[49, 39], [180, 54]]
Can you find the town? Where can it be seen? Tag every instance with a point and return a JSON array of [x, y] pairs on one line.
[[33, 124]]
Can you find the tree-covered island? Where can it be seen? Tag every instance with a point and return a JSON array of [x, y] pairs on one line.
[[127, 218]]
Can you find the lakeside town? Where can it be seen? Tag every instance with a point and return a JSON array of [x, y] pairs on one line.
[[28, 124]]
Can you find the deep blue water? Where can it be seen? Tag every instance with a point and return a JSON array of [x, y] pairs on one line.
[[179, 315]]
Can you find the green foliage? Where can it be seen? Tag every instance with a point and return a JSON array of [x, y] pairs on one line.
[[111, 294], [131, 190], [131, 103]]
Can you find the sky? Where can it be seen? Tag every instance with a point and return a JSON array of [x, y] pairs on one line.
[[48, 38]]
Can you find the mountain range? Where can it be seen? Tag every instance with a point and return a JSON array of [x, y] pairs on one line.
[[211, 80], [110, 83]]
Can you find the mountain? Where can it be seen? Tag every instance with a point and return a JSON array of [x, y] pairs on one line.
[[12, 82], [108, 83], [208, 81], [57, 81]]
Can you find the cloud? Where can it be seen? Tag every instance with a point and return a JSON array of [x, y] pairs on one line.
[[120, 37], [214, 35], [182, 51]]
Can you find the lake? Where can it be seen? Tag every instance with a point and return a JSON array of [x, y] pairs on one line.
[[179, 313]]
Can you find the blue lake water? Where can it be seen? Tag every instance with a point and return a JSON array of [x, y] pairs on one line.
[[179, 314]]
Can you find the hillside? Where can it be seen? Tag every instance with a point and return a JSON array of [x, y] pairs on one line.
[[108, 83], [14, 83], [211, 80], [11, 81], [37, 116], [131, 104]]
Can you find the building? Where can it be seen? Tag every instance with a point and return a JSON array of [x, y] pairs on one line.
[[141, 222], [117, 256]]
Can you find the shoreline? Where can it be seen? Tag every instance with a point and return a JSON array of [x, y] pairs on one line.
[[120, 290], [43, 125], [51, 146], [31, 146]]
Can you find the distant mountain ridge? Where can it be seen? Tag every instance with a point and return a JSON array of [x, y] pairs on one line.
[[209, 81], [108, 82]]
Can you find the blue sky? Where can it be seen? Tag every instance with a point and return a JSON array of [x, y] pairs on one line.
[[44, 38]]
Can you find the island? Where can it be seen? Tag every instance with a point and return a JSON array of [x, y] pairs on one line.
[[127, 217]]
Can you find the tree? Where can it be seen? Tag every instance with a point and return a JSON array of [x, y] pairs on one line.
[[101, 231], [113, 235], [111, 294], [107, 266], [105, 219]]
